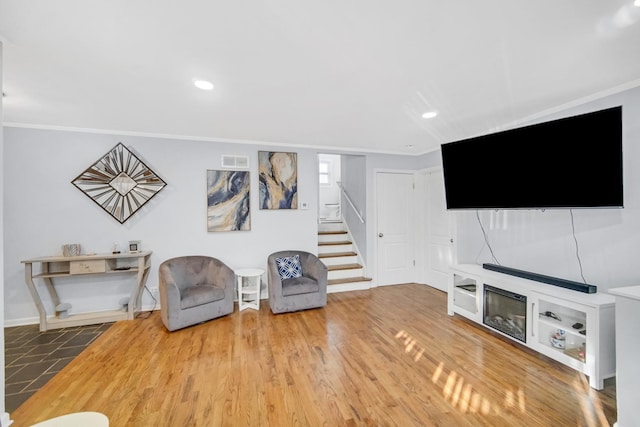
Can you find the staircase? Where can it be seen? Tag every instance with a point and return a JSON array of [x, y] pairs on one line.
[[336, 251]]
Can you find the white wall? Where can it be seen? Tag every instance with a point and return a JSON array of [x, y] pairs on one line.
[[43, 210], [354, 181], [542, 241], [430, 160], [4, 418]]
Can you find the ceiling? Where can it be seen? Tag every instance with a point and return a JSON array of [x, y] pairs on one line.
[[351, 75]]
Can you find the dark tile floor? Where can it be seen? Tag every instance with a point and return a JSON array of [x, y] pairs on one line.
[[32, 357]]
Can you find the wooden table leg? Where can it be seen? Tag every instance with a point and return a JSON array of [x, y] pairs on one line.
[[28, 278]]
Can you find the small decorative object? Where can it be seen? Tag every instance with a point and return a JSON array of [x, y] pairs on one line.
[[134, 246], [582, 350], [228, 206], [576, 352], [116, 248], [558, 339], [62, 310], [119, 182], [278, 180], [552, 315], [71, 249]]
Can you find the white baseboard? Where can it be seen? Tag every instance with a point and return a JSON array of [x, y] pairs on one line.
[[5, 421], [36, 320], [22, 322]]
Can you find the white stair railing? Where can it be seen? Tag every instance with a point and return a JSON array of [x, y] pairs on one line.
[[346, 196]]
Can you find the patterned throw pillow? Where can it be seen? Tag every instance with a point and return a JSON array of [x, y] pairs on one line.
[[289, 267]]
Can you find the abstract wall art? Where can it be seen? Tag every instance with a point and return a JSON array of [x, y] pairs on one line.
[[228, 206], [119, 182], [278, 180]]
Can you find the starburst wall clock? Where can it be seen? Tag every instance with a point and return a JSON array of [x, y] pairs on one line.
[[120, 183]]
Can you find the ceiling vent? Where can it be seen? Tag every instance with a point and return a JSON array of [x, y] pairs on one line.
[[235, 162]]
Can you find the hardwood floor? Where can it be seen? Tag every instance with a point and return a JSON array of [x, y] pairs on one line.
[[386, 356]]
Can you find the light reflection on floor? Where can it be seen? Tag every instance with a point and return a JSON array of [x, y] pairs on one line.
[[461, 395], [591, 406]]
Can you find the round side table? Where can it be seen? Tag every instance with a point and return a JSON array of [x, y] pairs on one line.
[[249, 288]]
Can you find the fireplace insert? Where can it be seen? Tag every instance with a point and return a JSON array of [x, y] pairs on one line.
[[505, 311]]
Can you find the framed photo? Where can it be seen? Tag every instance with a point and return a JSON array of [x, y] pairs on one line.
[[134, 246], [278, 180], [228, 207]]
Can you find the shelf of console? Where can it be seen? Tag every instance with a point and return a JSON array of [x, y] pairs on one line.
[[80, 319], [587, 320], [67, 274], [566, 324]]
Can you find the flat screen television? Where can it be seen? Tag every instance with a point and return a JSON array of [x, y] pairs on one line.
[[574, 162]]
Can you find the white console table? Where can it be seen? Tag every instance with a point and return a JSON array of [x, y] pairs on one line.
[[589, 349], [83, 265]]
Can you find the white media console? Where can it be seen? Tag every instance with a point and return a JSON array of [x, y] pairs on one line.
[[584, 320]]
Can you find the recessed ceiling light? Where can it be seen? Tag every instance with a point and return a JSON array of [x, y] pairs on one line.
[[636, 3], [429, 114], [203, 84]]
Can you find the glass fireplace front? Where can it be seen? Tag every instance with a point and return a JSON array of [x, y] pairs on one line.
[[506, 312]]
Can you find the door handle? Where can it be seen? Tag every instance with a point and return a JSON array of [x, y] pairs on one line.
[[533, 310], [380, 235]]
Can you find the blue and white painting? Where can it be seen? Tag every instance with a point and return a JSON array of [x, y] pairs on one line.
[[278, 180], [228, 201]]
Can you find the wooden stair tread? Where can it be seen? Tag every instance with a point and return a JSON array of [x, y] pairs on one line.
[[342, 242], [337, 254], [351, 266], [348, 280]]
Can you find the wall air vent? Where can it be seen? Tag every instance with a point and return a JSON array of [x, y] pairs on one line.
[[235, 162]]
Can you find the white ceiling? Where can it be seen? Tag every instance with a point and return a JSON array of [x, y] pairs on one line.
[[342, 75]]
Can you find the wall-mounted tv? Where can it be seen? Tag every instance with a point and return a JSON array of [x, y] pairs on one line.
[[574, 162]]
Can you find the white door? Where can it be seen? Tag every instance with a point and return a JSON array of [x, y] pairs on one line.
[[439, 233], [395, 206]]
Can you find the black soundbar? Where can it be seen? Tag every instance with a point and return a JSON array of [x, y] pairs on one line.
[[568, 284]]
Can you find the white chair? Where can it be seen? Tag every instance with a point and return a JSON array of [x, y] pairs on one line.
[[76, 419]]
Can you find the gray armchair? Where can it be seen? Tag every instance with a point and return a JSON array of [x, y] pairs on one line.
[[300, 293], [194, 289]]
